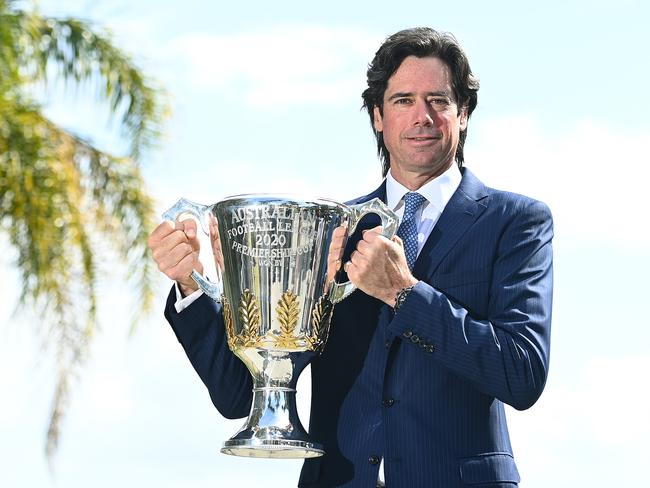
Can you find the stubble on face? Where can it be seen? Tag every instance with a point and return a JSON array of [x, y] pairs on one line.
[[420, 121]]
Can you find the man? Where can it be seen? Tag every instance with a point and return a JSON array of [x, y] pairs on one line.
[[420, 360]]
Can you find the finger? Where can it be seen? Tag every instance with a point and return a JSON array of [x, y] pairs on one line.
[[214, 226], [174, 239], [337, 243], [170, 260], [335, 252], [340, 252], [371, 244], [189, 229], [216, 245], [375, 230], [398, 240], [332, 256], [183, 270], [338, 239], [188, 226], [164, 229], [214, 234], [333, 266], [363, 247], [358, 259], [333, 261], [340, 231], [160, 249], [372, 234]]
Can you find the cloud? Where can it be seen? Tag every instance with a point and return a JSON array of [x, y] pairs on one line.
[[592, 175], [279, 65], [583, 423], [108, 397]]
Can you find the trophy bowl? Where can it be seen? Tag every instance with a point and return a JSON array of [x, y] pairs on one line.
[[277, 301]]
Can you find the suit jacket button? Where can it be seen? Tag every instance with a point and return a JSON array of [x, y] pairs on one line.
[[387, 344], [373, 460], [415, 339], [388, 402], [408, 333], [429, 348]]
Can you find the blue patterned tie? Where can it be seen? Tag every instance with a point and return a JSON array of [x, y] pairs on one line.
[[408, 229]]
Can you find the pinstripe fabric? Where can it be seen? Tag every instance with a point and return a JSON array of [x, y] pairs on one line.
[[423, 388]]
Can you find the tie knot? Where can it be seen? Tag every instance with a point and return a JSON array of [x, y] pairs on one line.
[[412, 201]]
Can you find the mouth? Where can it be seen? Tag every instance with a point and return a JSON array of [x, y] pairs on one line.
[[422, 140]]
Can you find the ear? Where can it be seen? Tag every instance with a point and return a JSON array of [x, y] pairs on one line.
[[463, 117], [377, 119]]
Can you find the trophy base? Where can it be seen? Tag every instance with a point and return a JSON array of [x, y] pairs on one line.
[[273, 429], [272, 448]]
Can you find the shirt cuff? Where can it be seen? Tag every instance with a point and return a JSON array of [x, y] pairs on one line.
[[182, 303]]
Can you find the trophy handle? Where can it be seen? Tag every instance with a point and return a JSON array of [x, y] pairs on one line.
[[201, 213], [339, 291]]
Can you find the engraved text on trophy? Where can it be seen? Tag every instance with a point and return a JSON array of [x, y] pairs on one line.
[[273, 235]]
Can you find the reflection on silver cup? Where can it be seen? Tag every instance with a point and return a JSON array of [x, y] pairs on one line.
[[277, 302]]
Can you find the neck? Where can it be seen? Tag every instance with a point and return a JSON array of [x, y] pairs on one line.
[[414, 180]]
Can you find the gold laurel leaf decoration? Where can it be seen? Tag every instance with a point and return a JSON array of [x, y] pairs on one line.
[[320, 320], [288, 312], [249, 313], [228, 322]]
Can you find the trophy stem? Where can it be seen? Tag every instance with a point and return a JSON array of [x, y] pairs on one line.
[[273, 429]]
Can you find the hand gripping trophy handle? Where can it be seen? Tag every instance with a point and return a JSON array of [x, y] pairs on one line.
[[340, 291], [213, 290]]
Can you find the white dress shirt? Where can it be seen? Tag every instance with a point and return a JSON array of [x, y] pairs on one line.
[[438, 192], [181, 302]]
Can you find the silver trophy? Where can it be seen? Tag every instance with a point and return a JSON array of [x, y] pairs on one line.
[[277, 302]]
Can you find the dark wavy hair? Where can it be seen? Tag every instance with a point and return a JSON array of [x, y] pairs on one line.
[[420, 42]]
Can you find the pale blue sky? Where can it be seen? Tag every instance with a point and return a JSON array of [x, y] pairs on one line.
[[266, 97]]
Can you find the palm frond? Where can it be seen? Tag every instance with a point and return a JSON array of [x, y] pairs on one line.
[[78, 53], [62, 200]]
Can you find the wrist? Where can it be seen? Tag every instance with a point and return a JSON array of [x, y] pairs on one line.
[[187, 289], [398, 291], [187, 285]]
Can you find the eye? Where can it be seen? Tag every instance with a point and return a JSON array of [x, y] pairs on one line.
[[440, 101], [403, 101]]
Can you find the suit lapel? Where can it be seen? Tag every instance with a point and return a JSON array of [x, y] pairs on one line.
[[465, 206], [463, 209]]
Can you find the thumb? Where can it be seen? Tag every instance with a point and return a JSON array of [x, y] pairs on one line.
[[188, 226]]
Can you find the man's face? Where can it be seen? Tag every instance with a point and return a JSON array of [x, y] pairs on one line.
[[421, 122]]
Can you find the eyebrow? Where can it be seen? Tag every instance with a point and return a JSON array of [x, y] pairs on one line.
[[442, 93]]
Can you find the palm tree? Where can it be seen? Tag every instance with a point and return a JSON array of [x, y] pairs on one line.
[[61, 197]]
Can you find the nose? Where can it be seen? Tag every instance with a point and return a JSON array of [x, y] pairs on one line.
[[422, 114]]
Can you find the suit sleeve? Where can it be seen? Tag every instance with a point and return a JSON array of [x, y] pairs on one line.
[[200, 330], [506, 354]]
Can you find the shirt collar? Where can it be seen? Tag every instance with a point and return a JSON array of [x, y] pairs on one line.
[[437, 191]]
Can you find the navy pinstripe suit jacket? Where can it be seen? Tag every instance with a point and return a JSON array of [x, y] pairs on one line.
[[423, 388]]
